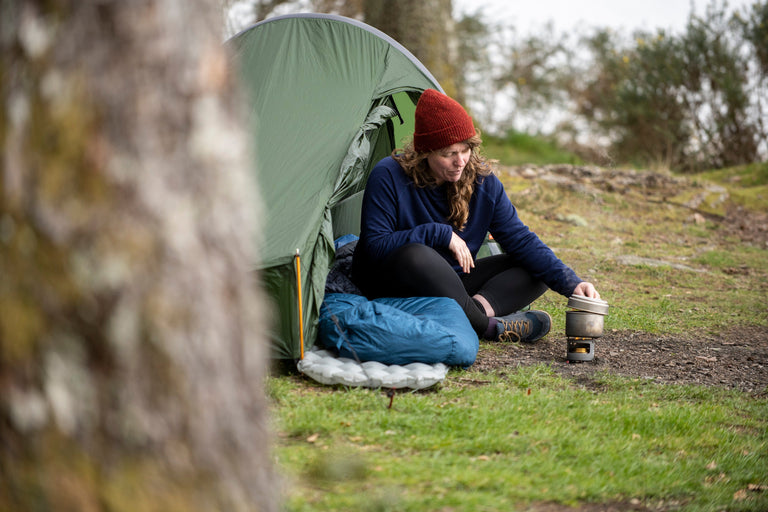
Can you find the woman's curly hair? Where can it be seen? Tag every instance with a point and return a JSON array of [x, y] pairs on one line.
[[459, 193]]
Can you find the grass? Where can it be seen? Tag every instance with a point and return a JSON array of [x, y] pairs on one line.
[[510, 441], [527, 439], [747, 184], [520, 148]]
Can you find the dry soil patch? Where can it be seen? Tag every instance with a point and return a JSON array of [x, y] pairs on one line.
[[736, 359]]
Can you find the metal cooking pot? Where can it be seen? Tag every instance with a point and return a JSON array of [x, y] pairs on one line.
[[581, 324]]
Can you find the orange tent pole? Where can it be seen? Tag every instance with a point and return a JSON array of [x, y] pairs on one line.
[[301, 312]]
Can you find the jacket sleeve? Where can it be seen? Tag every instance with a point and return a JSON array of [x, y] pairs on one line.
[[528, 249], [386, 224]]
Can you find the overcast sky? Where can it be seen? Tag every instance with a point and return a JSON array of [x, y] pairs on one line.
[[569, 14]]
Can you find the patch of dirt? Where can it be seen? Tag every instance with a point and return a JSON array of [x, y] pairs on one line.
[[751, 227], [735, 359], [623, 506]]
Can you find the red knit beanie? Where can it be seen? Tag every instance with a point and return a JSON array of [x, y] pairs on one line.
[[440, 122]]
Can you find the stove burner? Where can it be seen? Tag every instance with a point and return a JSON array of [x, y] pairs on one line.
[[581, 349]]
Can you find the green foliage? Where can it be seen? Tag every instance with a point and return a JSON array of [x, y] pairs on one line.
[[535, 70], [683, 100], [632, 95], [473, 43], [754, 26]]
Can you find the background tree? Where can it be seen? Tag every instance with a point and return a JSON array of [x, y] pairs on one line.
[[476, 66], [630, 96], [753, 24], [683, 101], [427, 29], [534, 74], [131, 361], [716, 89], [253, 11]]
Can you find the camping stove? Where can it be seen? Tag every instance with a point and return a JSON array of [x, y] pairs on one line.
[[583, 324], [580, 349]]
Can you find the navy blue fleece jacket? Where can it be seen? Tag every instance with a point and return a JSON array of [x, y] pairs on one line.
[[396, 212]]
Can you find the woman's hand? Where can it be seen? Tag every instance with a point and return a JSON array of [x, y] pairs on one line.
[[461, 252], [586, 289]]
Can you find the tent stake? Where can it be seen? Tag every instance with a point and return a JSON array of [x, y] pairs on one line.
[[301, 313]]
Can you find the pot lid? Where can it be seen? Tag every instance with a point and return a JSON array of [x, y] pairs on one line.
[[581, 303]]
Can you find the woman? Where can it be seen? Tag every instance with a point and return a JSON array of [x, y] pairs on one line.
[[427, 210]]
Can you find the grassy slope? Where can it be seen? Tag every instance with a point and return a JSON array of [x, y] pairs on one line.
[[526, 439], [729, 284], [520, 148]]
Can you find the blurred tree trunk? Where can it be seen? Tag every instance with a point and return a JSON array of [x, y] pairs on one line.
[[131, 362], [427, 29]]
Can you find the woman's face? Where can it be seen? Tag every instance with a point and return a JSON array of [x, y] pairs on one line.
[[448, 163]]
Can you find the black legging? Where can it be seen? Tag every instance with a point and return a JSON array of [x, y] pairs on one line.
[[416, 270]]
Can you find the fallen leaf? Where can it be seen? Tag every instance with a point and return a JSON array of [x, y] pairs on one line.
[[313, 438], [712, 465]]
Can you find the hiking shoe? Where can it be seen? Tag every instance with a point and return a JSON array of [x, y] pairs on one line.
[[525, 326]]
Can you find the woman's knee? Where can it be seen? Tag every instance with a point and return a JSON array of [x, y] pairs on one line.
[[416, 257]]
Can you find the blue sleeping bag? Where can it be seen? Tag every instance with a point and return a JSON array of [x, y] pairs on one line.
[[398, 330]]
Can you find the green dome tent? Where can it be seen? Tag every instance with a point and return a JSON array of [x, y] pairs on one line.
[[329, 97]]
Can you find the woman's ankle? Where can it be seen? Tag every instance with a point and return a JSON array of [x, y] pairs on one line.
[[492, 332]]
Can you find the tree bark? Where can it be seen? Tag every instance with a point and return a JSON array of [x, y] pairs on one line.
[[131, 352], [427, 29]]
